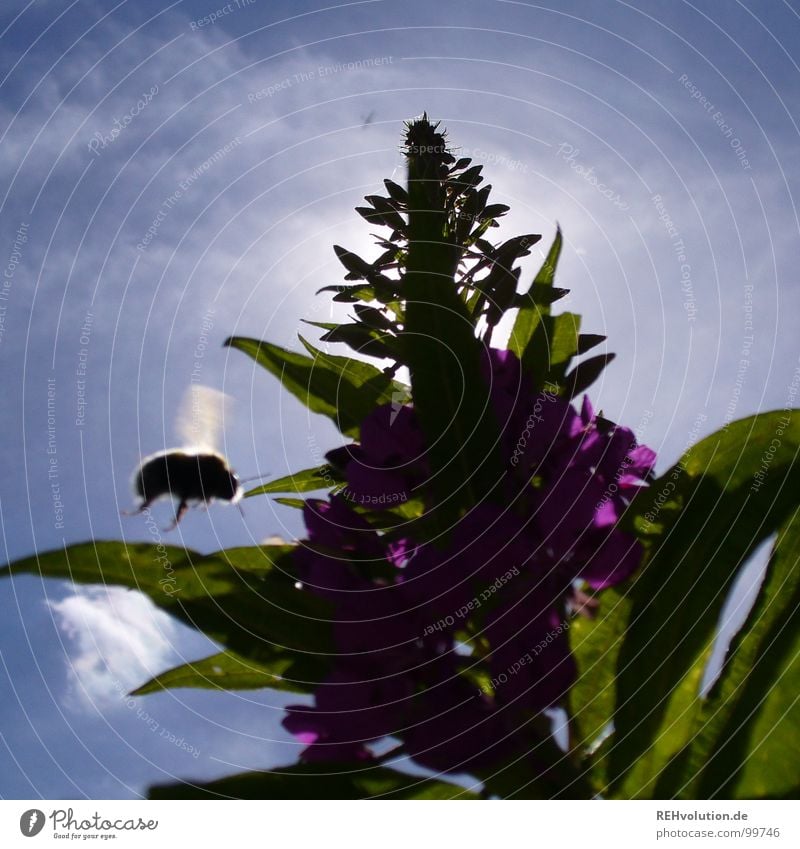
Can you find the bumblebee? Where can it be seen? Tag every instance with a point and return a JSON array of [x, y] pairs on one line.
[[196, 473], [199, 477]]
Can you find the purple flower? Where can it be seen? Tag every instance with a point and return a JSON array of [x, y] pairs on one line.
[[327, 738], [484, 547], [504, 580], [454, 728], [359, 703], [388, 465], [340, 544], [531, 665]]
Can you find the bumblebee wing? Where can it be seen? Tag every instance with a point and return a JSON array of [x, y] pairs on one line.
[[201, 416]]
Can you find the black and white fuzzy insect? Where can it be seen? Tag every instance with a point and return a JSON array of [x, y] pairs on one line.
[[196, 473]]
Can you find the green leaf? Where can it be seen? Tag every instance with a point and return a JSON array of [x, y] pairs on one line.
[[398, 515], [533, 308], [142, 566], [595, 646], [553, 345], [317, 781], [309, 480], [342, 388], [745, 743], [297, 503], [246, 598], [277, 668], [699, 523]]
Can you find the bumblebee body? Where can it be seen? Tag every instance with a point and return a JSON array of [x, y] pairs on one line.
[[198, 477]]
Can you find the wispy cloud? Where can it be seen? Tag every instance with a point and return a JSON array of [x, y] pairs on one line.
[[116, 640]]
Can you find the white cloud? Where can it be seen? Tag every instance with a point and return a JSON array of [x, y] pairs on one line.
[[118, 639]]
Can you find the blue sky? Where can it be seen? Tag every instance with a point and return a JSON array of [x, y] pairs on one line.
[[167, 180]]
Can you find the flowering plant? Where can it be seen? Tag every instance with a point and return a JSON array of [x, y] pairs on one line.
[[491, 554]]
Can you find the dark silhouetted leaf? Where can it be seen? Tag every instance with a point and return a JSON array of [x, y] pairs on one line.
[[385, 219], [362, 339], [356, 267], [501, 295], [515, 248], [541, 770], [350, 294], [396, 193], [587, 341], [585, 373], [470, 177], [543, 296], [373, 318], [495, 210]]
